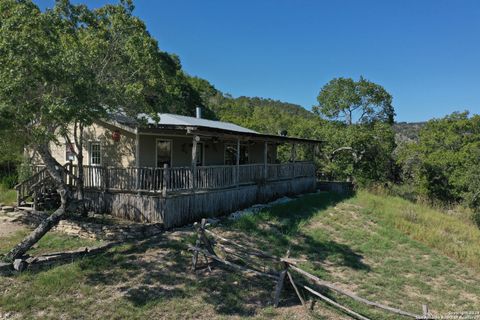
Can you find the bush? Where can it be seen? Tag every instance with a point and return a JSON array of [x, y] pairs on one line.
[[476, 218], [9, 181]]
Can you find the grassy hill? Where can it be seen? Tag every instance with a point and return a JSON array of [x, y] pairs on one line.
[[383, 248]]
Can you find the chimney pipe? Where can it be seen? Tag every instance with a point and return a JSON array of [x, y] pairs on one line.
[[199, 112]]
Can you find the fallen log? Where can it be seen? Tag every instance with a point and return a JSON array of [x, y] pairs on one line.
[[56, 257]]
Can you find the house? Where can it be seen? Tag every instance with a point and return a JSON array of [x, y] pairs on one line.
[[179, 169]]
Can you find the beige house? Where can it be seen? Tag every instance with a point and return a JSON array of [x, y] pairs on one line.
[[121, 142], [179, 169]]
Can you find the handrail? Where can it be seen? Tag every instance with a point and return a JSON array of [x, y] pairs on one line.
[[30, 178]]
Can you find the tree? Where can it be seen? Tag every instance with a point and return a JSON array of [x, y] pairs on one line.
[[349, 100], [443, 166], [69, 66]]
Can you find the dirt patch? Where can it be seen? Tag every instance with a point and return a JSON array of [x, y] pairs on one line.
[[8, 228]]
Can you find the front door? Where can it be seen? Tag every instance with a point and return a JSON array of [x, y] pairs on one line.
[[164, 153]]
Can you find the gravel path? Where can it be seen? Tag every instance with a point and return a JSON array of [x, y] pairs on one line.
[[7, 228]]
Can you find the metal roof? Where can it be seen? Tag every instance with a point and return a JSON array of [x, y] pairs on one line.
[[169, 119]]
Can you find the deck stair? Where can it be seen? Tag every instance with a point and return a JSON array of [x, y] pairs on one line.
[[37, 192]]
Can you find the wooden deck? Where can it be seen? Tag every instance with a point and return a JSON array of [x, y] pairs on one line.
[[177, 196]]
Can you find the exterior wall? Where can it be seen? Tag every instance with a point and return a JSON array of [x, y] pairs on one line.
[[123, 152], [118, 154], [181, 150], [214, 153]]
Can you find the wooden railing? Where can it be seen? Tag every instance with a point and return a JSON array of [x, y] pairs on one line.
[[39, 178], [251, 173], [215, 177], [163, 180], [24, 188]]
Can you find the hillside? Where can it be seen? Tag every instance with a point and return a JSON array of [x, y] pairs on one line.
[[382, 248], [407, 131], [261, 114]]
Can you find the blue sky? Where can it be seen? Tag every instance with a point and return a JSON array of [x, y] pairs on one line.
[[425, 53]]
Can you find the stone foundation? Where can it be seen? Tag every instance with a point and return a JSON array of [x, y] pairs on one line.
[[110, 232]]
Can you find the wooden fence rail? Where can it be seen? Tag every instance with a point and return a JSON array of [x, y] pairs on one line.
[[206, 246]]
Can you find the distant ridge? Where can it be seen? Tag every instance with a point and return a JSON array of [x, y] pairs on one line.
[[407, 131]]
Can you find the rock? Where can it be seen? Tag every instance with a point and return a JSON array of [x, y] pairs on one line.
[[212, 221], [280, 201], [14, 214], [19, 265], [5, 268], [8, 208]]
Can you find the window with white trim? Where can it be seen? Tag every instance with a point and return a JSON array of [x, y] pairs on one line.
[[95, 153]]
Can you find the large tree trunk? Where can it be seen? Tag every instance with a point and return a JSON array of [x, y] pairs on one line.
[[80, 186], [55, 171]]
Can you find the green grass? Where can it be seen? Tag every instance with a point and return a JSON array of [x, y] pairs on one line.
[[51, 242], [383, 248], [7, 196], [451, 234]]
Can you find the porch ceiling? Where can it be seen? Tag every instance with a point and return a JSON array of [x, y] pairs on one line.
[[222, 134]]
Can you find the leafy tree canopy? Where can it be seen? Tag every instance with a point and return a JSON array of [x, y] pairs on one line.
[[444, 165], [349, 101]]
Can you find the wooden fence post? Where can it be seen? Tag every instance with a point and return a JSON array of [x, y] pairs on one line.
[[281, 280], [278, 287], [426, 314]]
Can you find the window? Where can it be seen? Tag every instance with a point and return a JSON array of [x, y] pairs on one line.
[[164, 152], [95, 153], [69, 154], [231, 154]]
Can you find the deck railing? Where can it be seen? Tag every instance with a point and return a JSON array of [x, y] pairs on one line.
[[164, 180]]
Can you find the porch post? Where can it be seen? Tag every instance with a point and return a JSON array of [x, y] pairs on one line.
[[166, 179], [238, 163], [194, 162], [293, 158], [293, 152], [137, 149], [137, 160], [265, 160]]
